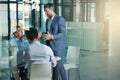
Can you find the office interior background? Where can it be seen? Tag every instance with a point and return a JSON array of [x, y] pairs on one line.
[[93, 25]]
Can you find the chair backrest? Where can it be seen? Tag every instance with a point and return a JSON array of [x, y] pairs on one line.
[[41, 71], [15, 73], [73, 53]]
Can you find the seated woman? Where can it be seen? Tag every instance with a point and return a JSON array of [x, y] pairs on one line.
[[38, 52]]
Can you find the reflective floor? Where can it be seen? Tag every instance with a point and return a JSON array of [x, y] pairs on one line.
[[99, 66], [93, 66]]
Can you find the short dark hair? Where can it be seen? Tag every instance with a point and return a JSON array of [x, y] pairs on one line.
[[31, 34], [18, 26], [48, 5]]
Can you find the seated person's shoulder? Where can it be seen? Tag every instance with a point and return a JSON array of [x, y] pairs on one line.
[[46, 47], [24, 38], [12, 39]]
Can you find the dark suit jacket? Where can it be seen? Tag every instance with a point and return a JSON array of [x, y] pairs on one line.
[[58, 30]]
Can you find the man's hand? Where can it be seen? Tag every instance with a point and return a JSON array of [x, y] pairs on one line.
[[47, 36]]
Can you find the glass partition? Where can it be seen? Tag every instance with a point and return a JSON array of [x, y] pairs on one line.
[[3, 0], [13, 17], [3, 31], [4, 54]]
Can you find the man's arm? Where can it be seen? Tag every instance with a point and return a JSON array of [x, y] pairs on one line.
[[52, 57], [60, 33], [61, 29]]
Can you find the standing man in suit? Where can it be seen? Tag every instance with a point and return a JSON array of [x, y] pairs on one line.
[[55, 37]]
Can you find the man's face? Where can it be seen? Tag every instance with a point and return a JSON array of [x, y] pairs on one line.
[[19, 33], [49, 12]]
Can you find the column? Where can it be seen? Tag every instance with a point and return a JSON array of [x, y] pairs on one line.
[[114, 29]]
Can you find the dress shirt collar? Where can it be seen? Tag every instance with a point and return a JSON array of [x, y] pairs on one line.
[[21, 39], [52, 17], [36, 42]]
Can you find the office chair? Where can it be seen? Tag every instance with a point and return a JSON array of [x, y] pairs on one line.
[[15, 73], [41, 71], [72, 60]]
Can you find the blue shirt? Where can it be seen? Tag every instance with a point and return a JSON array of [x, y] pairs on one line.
[[22, 43], [18, 49]]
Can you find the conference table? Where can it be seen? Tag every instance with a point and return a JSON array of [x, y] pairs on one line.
[[5, 68]]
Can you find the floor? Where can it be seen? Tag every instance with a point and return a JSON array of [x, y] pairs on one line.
[[99, 66], [93, 66]]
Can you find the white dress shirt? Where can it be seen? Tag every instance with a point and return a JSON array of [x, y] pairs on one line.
[[41, 53]]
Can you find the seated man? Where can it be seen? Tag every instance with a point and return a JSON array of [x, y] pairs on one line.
[[38, 52], [18, 45]]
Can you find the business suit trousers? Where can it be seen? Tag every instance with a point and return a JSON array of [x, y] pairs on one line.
[[23, 73], [59, 70]]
